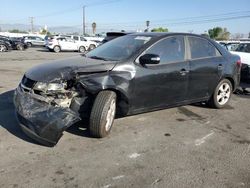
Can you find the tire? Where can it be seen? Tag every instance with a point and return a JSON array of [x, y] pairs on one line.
[[20, 47], [3, 48], [29, 44], [82, 49], [91, 47], [102, 114], [221, 95], [57, 49]]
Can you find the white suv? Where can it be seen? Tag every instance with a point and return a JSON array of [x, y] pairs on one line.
[[74, 43]]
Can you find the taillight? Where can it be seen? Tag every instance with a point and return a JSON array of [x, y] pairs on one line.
[[238, 63]]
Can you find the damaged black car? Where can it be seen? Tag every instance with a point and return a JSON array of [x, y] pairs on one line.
[[132, 74]]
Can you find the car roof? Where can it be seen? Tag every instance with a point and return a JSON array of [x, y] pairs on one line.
[[165, 34]]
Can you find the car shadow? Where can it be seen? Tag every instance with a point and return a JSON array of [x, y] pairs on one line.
[[42, 50], [8, 119], [243, 93], [79, 129]]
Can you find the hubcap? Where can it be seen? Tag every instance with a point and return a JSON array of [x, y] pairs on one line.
[[56, 49], [82, 49], [223, 94], [110, 115]]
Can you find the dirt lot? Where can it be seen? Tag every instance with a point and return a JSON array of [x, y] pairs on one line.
[[190, 146]]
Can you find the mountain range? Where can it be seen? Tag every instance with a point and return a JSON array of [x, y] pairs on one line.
[[26, 27]]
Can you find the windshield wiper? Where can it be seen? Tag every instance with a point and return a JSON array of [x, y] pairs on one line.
[[100, 58]]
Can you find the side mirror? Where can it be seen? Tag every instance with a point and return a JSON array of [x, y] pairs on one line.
[[149, 59]]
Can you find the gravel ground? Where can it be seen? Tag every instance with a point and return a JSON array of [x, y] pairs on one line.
[[189, 146]]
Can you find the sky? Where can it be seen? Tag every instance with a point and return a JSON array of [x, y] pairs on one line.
[[177, 15]]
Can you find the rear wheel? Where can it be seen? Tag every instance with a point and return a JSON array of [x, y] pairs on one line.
[[20, 47], [29, 44], [3, 48], [57, 49], [102, 114], [221, 95], [82, 49], [91, 47]]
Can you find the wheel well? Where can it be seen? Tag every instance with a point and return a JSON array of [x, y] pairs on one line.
[[232, 82], [122, 102]]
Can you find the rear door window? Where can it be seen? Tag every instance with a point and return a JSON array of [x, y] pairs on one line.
[[76, 38], [82, 39], [171, 49], [201, 48]]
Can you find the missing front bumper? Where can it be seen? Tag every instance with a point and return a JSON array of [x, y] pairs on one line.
[[41, 121]]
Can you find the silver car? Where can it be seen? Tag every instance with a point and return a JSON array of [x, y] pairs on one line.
[[34, 41]]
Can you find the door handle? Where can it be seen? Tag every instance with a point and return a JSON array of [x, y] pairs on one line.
[[183, 72], [220, 67]]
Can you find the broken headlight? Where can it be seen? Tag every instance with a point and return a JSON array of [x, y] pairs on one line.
[[41, 86]]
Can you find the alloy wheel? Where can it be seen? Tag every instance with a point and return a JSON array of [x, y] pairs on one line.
[[110, 115], [3, 48], [223, 94]]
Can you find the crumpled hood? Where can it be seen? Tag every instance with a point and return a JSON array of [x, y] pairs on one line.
[[65, 69]]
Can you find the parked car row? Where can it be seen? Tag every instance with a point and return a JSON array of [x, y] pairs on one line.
[[7, 44], [241, 49], [70, 43], [54, 43]]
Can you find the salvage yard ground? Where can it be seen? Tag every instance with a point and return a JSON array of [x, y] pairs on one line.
[[189, 146]]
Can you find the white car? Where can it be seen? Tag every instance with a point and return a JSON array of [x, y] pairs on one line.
[[70, 44], [243, 50]]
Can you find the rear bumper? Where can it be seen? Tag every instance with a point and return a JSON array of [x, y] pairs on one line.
[[40, 120], [245, 74]]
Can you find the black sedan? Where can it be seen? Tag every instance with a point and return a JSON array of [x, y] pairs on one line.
[[131, 74], [15, 44]]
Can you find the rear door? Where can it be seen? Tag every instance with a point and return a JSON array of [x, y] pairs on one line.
[[165, 83], [206, 66]]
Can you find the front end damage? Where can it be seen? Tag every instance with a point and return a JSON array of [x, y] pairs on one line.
[[52, 97], [43, 114]]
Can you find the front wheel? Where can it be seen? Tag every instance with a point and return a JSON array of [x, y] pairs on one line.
[[82, 49], [221, 95], [102, 114]]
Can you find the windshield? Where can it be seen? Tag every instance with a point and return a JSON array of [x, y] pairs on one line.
[[243, 48], [119, 49]]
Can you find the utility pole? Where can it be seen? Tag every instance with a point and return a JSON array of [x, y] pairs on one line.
[[83, 20], [32, 23], [147, 24]]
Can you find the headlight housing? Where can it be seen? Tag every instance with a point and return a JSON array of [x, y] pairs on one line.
[[41, 86]]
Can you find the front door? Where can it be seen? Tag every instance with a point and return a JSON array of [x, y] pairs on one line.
[[166, 83]]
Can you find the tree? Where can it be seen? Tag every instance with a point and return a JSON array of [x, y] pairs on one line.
[[17, 31], [249, 35], [159, 29], [218, 33], [94, 27], [45, 32]]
